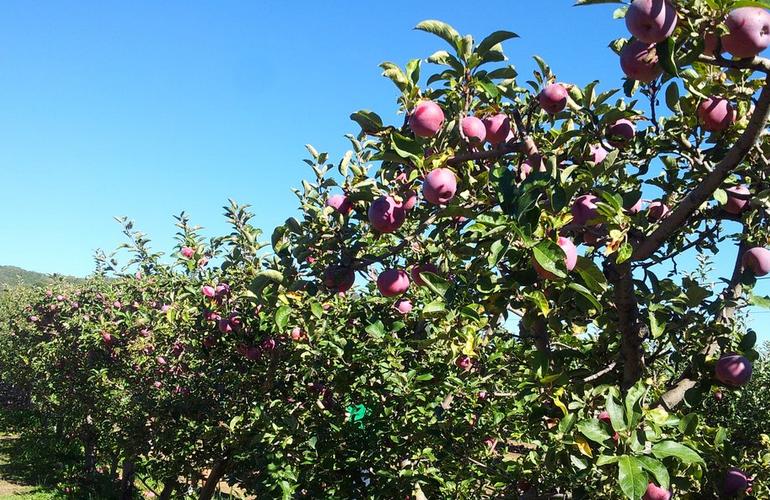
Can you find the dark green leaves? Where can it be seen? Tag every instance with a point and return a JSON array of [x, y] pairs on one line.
[[631, 478]]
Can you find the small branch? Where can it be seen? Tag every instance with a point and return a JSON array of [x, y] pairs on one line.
[[755, 64], [515, 147], [600, 373], [690, 204]]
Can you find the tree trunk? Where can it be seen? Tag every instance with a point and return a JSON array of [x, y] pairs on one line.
[[127, 479], [216, 474], [632, 334], [168, 489]]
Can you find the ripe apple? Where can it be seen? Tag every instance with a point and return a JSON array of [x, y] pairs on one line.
[[339, 278], [639, 61], [620, 133], [736, 204], [386, 215], [553, 98], [426, 119], [570, 258], [604, 416], [392, 282], [651, 21], [733, 370], [404, 306], [498, 126], [440, 186], [473, 130], [749, 32], [657, 211], [710, 42], [422, 268], [757, 260], [187, 252], [597, 153], [716, 114], [735, 482], [584, 209], [340, 202], [655, 492], [464, 362], [296, 333], [410, 199]]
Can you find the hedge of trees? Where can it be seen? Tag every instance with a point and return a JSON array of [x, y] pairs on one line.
[[427, 326]]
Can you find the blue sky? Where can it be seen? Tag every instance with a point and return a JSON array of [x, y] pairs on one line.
[[149, 108]]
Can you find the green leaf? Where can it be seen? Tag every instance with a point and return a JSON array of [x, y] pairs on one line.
[[657, 469], [547, 254], [282, 317], [617, 415], [441, 30], [593, 430], [435, 282], [665, 50], [376, 329], [369, 121], [434, 307], [673, 449], [585, 292], [631, 477], [493, 39], [317, 309], [689, 423]]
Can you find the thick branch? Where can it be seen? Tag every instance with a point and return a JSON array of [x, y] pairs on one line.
[[755, 63], [671, 398], [690, 204], [631, 331]]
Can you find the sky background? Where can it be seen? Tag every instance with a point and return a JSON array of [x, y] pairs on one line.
[[148, 108]]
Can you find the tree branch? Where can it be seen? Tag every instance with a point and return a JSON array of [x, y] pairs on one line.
[[513, 147], [690, 204], [632, 333], [755, 63]]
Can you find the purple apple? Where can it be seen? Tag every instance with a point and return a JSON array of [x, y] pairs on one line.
[[655, 492], [757, 260], [386, 215], [339, 278], [749, 32], [440, 186], [422, 268], [426, 119], [651, 21], [553, 98], [392, 282], [498, 127], [404, 306], [570, 258], [340, 203], [620, 133], [584, 209], [597, 153], [735, 482], [639, 61], [733, 370], [716, 114], [657, 211], [737, 199], [473, 130]]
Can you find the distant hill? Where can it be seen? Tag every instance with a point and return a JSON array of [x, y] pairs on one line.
[[12, 276]]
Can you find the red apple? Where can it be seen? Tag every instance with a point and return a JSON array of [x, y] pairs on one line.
[[422, 268], [639, 61], [584, 209], [498, 126], [339, 278], [426, 119], [716, 114], [440, 186], [651, 21], [736, 204], [749, 32], [735, 482], [473, 130], [597, 153], [553, 98], [410, 199], [187, 252], [296, 333], [655, 492], [657, 211], [464, 362], [392, 282], [757, 260], [340, 203], [620, 133], [386, 215], [404, 306], [733, 370]]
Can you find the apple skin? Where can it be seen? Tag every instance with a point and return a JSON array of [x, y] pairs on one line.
[[597, 153], [473, 130], [570, 258], [710, 44], [584, 209], [498, 127], [735, 482], [386, 215], [440, 186], [404, 306], [426, 119], [392, 282], [187, 252], [716, 114], [655, 492], [749, 32], [656, 211], [340, 203], [339, 278], [553, 98], [422, 268], [733, 370], [604, 416], [757, 260], [736, 205], [651, 21], [528, 166], [464, 362], [639, 61], [208, 291], [620, 133]]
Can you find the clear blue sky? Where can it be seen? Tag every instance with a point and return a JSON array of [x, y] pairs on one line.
[[148, 108]]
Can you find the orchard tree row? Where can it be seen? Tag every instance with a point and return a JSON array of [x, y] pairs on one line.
[[483, 301]]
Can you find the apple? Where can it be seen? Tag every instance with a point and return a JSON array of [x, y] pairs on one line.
[[392, 282], [340, 202], [464, 362], [570, 258], [106, 338], [733, 370], [655, 492], [737, 200], [339, 278], [656, 211], [604, 416], [710, 42], [296, 333], [422, 268], [584, 209], [620, 133], [472, 129], [222, 290], [404, 306], [440, 186], [187, 252], [749, 32], [528, 166], [716, 114], [268, 344], [410, 199], [639, 61], [651, 21], [635, 208], [386, 215], [498, 127], [426, 119], [553, 98], [597, 153], [757, 259], [735, 482]]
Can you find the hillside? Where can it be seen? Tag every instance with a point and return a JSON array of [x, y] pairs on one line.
[[11, 276]]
